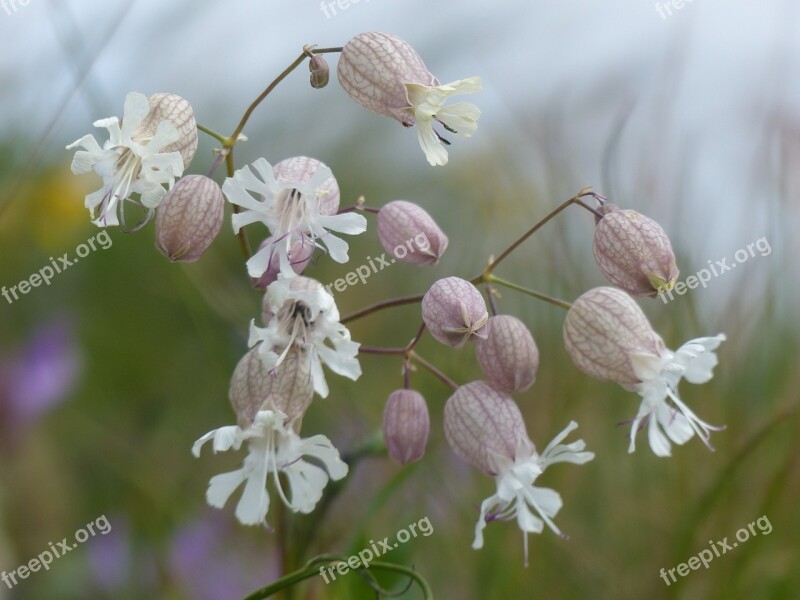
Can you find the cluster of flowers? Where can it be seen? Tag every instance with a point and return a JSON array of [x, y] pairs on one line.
[[297, 199]]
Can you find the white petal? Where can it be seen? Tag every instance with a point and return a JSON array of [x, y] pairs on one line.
[[646, 366], [486, 506], [166, 134], [321, 448], [348, 223], [136, 109], [259, 262], [222, 486], [675, 424], [254, 503], [224, 438], [306, 482], [460, 118], [341, 361], [431, 145], [658, 441]]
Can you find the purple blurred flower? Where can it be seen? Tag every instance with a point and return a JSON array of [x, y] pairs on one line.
[[38, 376]]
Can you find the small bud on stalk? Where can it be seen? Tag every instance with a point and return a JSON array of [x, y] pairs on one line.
[[320, 72]]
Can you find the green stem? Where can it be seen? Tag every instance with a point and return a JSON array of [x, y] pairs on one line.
[[493, 264], [250, 109], [243, 241], [312, 569], [492, 279], [217, 136], [433, 369], [381, 305]]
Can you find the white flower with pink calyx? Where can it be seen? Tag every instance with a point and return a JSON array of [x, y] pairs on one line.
[[297, 200], [609, 337], [148, 149], [298, 312], [385, 74], [273, 448], [485, 428]]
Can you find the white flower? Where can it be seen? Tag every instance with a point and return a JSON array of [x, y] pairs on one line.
[[660, 376], [299, 312], [293, 208], [427, 104], [385, 74], [273, 448], [130, 162], [516, 495]]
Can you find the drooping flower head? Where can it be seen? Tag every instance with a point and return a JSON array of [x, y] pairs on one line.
[[297, 200], [454, 312], [273, 448], [149, 148], [608, 337], [270, 405], [634, 252], [485, 428], [298, 312], [386, 75]]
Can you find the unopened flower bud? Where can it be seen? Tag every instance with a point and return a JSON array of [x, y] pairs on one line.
[[287, 389], [406, 425], [178, 111], [299, 255], [508, 356], [410, 234], [189, 218], [604, 330], [320, 73], [454, 311], [482, 424], [634, 253]]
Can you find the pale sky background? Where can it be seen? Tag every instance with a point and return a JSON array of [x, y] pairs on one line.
[[680, 117]]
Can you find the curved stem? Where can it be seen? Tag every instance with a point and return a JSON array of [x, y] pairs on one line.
[[381, 305], [503, 255], [312, 568], [295, 63], [380, 350], [524, 290], [217, 136], [243, 241], [433, 369]]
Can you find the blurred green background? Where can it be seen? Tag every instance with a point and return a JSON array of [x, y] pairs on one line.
[[108, 375]]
